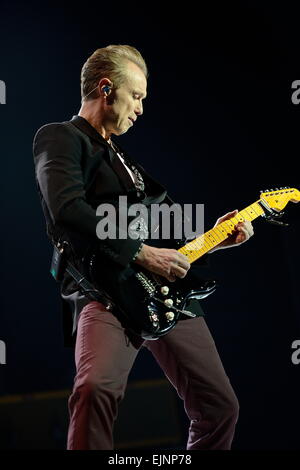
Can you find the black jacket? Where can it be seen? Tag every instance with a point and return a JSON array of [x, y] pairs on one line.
[[76, 170]]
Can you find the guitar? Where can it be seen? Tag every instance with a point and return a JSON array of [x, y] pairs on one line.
[[151, 305]]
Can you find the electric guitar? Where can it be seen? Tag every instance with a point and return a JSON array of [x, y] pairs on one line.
[[149, 303]]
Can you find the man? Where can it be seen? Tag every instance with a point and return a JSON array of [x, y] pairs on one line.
[[77, 168]]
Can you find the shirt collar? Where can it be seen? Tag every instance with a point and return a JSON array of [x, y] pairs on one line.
[[84, 125]]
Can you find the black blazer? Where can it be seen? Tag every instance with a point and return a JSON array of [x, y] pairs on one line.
[[76, 170]]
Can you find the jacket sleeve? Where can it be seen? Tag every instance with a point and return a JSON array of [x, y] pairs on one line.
[[57, 156]]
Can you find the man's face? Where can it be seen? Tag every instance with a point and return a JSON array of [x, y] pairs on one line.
[[126, 103]]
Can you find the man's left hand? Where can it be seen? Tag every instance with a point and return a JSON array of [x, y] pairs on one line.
[[242, 232]]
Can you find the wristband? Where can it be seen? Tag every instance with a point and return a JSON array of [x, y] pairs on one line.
[[138, 252]]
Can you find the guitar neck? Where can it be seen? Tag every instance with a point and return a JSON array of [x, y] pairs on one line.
[[207, 241]]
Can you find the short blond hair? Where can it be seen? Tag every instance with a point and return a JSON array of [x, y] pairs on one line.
[[109, 62]]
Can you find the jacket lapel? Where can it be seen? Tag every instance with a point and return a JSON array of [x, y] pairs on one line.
[[158, 190], [115, 161]]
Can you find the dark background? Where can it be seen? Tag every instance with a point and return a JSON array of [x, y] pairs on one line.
[[218, 126]]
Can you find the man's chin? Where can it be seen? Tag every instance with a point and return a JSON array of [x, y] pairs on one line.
[[121, 131]]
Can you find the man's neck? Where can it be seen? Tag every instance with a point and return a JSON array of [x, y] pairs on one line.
[[94, 117]]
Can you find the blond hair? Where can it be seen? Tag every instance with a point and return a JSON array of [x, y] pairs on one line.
[[109, 62]]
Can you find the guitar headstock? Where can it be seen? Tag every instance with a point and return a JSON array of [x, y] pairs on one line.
[[277, 199]]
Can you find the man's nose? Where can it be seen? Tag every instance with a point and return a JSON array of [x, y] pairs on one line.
[[139, 109]]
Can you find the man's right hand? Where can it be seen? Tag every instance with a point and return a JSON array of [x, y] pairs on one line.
[[166, 262]]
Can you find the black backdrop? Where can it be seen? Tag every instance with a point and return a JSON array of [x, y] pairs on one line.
[[219, 125]]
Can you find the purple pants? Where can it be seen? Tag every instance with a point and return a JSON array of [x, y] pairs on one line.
[[104, 356]]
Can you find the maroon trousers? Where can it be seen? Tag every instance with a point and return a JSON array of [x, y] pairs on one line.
[[104, 356]]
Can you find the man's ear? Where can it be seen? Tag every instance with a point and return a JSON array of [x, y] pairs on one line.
[[105, 86]]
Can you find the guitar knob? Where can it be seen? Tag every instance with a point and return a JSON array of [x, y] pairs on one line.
[[164, 290], [170, 316], [168, 302]]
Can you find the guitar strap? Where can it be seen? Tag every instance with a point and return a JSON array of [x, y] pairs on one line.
[[60, 264]]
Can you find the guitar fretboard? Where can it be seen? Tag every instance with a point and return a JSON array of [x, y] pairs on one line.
[[205, 242]]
